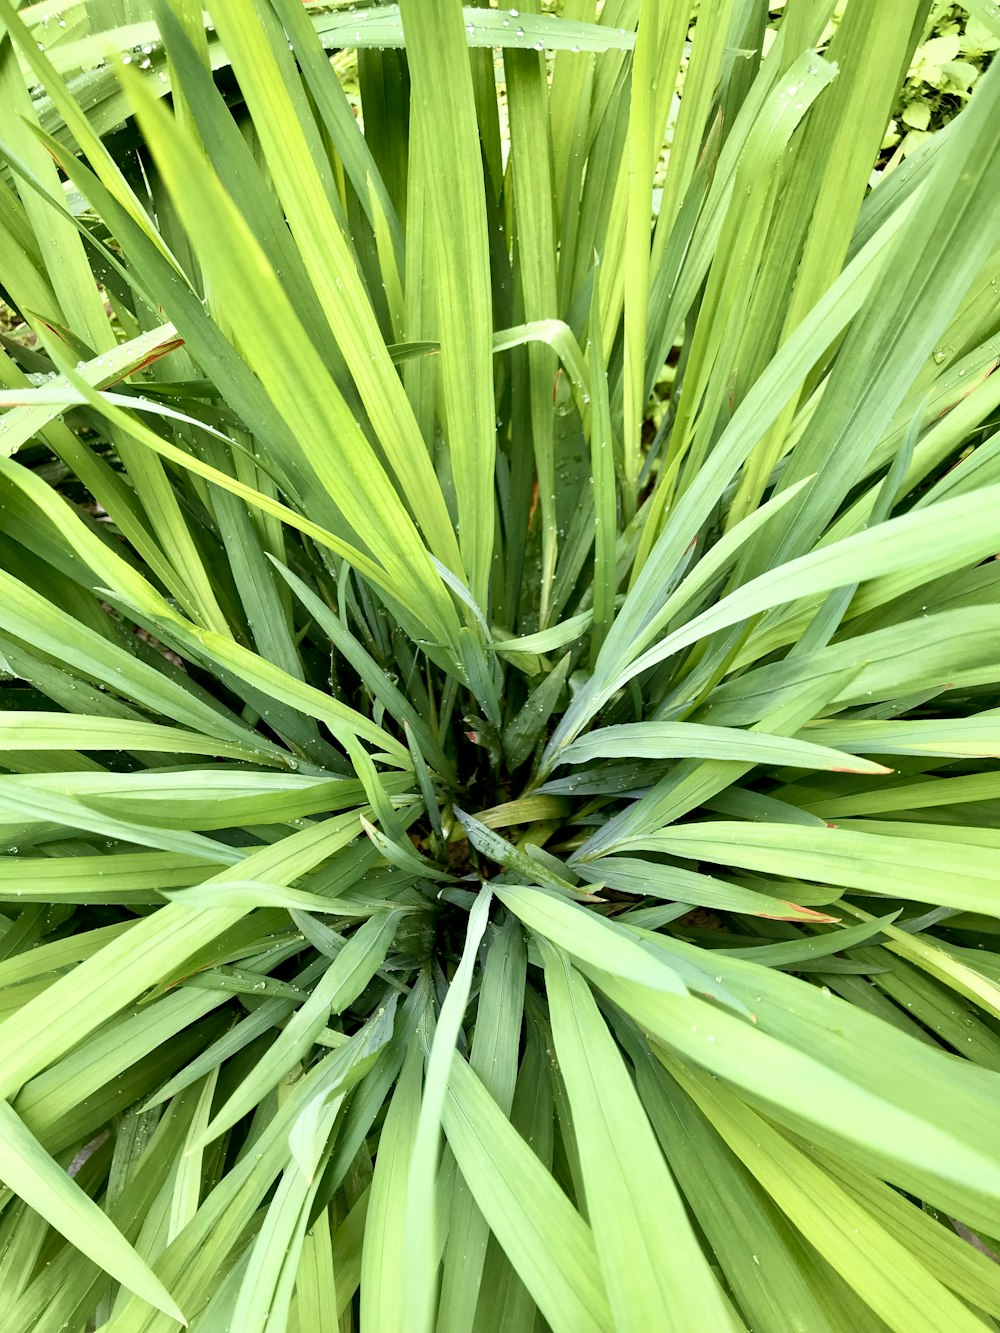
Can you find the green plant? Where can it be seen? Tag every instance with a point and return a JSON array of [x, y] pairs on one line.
[[960, 45], [474, 860]]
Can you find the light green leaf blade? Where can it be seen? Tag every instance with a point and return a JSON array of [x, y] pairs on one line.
[[29, 1171], [549, 1244], [681, 740], [654, 1270], [925, 870], [439, 67], [420, 1259], [868, 1256]]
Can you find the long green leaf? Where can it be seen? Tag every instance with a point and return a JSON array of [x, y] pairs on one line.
[[632, 1199], [27, 1169], [545, 1237]]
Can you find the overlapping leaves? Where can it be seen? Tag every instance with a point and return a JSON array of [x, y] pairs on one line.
[[470, 863]]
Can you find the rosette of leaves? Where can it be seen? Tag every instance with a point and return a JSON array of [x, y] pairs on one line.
[[472, 862]]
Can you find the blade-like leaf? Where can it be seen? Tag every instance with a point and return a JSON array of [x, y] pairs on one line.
[[28, 1170]]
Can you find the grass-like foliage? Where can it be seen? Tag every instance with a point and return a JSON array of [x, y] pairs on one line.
[[478, 857]]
